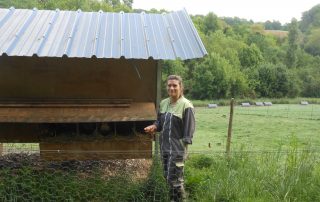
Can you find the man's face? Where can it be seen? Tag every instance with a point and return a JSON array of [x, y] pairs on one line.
[[174, 88]]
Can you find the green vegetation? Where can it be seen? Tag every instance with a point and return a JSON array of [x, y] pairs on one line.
[[259, 177], [30, 185], [245, 59], [62, 182], [278, 176]]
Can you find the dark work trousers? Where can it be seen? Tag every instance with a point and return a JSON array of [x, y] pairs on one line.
[[173, 167]]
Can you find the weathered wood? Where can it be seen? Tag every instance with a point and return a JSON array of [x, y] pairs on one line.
[[80, 114], [75, 78], [230, 128]]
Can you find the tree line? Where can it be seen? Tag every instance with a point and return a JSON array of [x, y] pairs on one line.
[[245, 58]]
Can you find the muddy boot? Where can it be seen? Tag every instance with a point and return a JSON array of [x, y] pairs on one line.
[[178, 194], [183, 194]]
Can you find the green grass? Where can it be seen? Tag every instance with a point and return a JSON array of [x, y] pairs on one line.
[[250, 177], [257, 128], [275, 154], [225, 102]]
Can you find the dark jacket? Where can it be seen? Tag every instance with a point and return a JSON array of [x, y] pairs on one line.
[[176, 124]]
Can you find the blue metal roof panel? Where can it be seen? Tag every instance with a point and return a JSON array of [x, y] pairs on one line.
[[78, 34]]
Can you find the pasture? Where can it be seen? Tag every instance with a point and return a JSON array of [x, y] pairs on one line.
[[264, 128], [275, 154]]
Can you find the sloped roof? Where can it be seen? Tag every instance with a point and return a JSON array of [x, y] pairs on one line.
[[77, 34]]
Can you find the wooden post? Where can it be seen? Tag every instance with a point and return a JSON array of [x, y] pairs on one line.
[[230, 128], [1, 149], [158, 99], [158, 86]]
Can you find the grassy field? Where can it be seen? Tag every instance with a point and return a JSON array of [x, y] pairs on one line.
[[277, 159], [277, 154], [225, 102], [257, 128]]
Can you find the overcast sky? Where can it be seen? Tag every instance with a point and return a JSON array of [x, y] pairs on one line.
[[256, 10]]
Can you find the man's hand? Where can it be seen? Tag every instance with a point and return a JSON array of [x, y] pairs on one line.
[[150, 129]]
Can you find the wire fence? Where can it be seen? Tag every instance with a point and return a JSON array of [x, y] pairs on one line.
[[26, 175], [311, 111], [291, 173]]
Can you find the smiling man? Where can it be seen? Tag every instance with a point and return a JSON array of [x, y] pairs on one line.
[[176, 123]]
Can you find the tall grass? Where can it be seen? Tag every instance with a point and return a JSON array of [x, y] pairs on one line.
[[280, 176]]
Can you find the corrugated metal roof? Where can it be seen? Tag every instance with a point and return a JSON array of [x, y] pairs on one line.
[[78, 34]]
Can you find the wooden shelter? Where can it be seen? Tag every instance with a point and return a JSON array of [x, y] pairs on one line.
[[85, 84]]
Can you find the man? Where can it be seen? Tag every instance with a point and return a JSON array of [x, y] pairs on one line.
[[176, 123]]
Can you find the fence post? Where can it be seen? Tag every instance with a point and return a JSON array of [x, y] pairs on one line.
[[230, 128]]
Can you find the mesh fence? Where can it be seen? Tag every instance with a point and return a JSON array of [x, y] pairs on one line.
[[26, 175], [254, 173], [208, 176], [311, 111]]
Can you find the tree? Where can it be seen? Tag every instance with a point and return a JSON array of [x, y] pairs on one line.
[[210, 78], [19, 3], [267, 45], [128, 3], [238, 84], [310, 19], [84, 5], [293, 40], [274, 25], [275, 81], [310, 82], [312, 45], [218, 42], [211, 23], [250, 56]]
